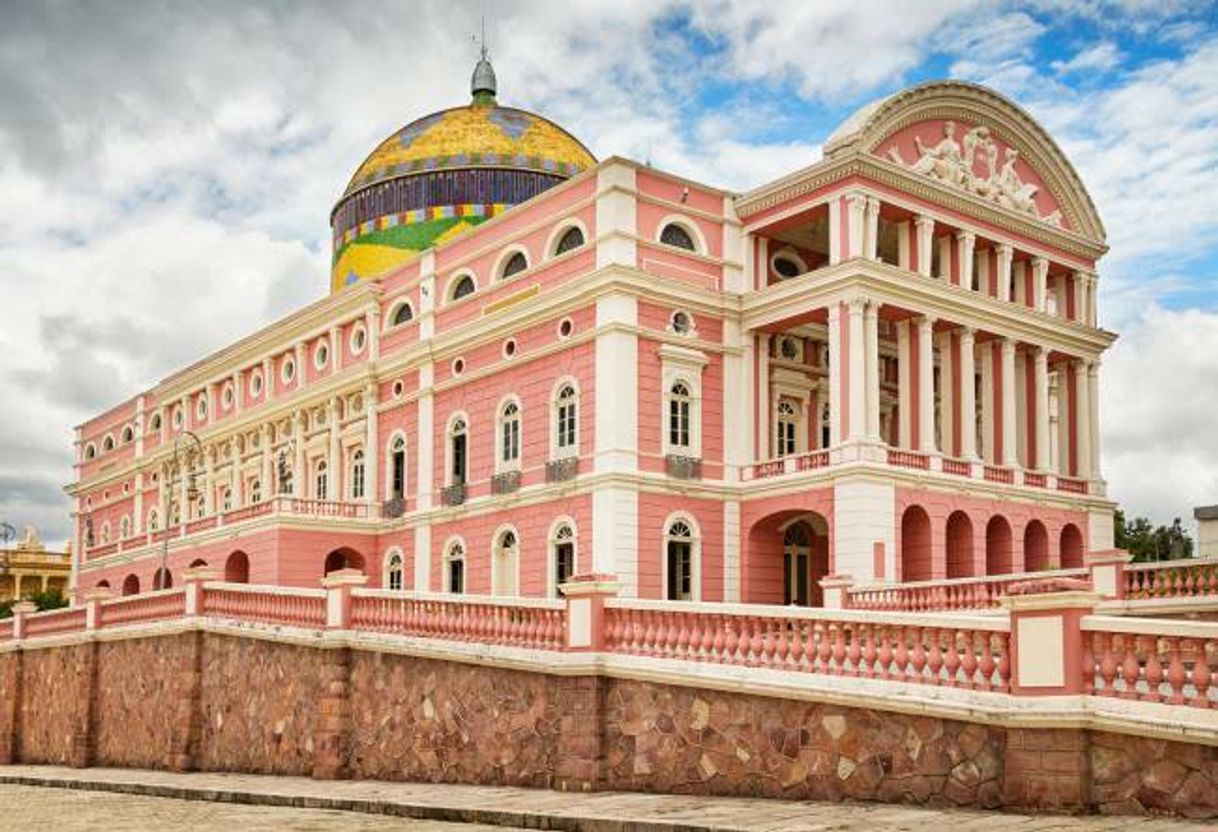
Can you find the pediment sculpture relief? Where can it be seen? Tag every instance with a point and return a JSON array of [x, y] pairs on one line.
[[956, 163]]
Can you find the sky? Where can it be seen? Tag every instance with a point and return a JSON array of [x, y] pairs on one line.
[[167, 169]]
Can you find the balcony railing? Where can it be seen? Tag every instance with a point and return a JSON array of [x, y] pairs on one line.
[[908, 459], [561, 470], [505, 482], [453, 495], [683, 467], [1000, 475], [393, 508]]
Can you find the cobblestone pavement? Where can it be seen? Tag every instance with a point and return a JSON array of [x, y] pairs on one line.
[[135, 801]]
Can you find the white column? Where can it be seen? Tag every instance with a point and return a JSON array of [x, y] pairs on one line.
[[425, 470], [947, 396], [372, 445], [334, 456], [986, 357], [904, 261], [268, 380], [856, 207], [925, 228], [1093, 309], [871, 233], [968, 395], [1040, 279], [1082, 419], [1010, 442], [855, 369], [835, 375], [336, 348], [765, 397], [945, 258], [1064, 440], [137, 524], [1023, 412], [1042, 409], [235, 481], [209, 481], [1093, 411], [372, 324], [965, 240], [300, 366], [926, 385], [905, 414], [836, 218], [871, 333], [265, 443], [299, 474], [1005, 253], [1019, 278]]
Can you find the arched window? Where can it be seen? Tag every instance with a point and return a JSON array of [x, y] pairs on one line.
[[124, 528], [454, 568], [255, 492], [108, 444], [226, 499], [397, 468], [566, 440], [462, 287], [321, 480], [155, 423], [564, 555], [90, 451], [514, 265], [357, 475], [457, 443], [154, 520], [509, 436], [105, 536], [505, 564], [200, 507], [788, 424], [285, 474], [128, 434], [393, 570], [678, 416], [675, 235], [786, 267], [679, 565], [404, 314], [571, 239]]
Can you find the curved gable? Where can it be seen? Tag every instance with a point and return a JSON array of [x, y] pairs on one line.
[[972, 139]]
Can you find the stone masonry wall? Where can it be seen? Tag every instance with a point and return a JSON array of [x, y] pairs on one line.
[[227, 703]]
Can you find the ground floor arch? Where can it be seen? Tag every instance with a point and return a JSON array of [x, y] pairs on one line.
[[1071, 547], [788, 557], [916, 551], [999, 547], [237, 568], [1035, 547], [131, 585], [959, 539], [343, 558]]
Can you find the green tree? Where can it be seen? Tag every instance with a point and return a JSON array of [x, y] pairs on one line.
[[1148, 542], [52, 599]]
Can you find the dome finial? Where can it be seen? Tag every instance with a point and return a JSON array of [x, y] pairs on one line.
[[483, 83]]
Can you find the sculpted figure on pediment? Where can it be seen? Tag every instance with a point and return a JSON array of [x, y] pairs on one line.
[[943, 161]]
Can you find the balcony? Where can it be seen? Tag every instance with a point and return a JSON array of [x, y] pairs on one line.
[[505, 483], [933, 465], [683, 467], [393, 508], [561, 470], [453, 495]]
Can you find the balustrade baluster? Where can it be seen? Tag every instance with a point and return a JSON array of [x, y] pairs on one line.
[[1130, 669], [1176, 674], [968, 662], [1201, 677], [919, 654], [869, 651], [854, 649], [839, 649], [1108, 665]]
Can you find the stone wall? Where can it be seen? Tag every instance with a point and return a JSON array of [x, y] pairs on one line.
[[228, 703]]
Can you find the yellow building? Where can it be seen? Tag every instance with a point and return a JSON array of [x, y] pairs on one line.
[[28, 567]]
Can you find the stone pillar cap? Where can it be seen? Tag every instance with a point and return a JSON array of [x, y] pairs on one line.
[[834, 581], [594, 583], [344, 577], [97, 593], [201, 573], [1050, 599], [1106, 556], [25, 607]]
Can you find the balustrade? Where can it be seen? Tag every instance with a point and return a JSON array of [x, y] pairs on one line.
[[519, 623], [1151, 660], [153, 606], [968, 653], [954, 594], [295, 608], [1172, 579], [55, 621]]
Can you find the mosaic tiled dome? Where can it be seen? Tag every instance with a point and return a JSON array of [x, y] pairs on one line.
[[444, 174]]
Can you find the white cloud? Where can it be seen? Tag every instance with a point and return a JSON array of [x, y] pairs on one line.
[[1102, 56]]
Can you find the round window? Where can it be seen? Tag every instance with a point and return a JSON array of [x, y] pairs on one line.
[[256, 385], [321, 355], [789, 349], [682, 324], [177, 417], [565, 328], [458, 366], [201, 407], [289, 369], [228, 397], [509, 348], [398, 389], [359, 337]]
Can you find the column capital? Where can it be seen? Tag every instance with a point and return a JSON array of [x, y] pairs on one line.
[[966, 236], [856, 305], [1007, 344], [927, 321], [967, 331], [1093, 367], [1039, 262], [922, 221], [1005, 250], [856, 198], [873, 202]]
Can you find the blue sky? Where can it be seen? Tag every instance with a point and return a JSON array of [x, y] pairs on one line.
[[166, 171]]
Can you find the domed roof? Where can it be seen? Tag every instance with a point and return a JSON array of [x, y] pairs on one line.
[[478, 135], [444, 174]]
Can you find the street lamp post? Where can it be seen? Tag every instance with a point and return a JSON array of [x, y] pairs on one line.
[[182, 464]]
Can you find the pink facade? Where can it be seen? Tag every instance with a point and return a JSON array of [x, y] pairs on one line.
[[884, 365]]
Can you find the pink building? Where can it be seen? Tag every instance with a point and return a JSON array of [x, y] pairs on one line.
[[534, 364]]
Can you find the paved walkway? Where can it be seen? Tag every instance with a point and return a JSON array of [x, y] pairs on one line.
[[128, 800]]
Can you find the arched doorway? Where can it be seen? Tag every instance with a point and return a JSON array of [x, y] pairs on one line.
[[344, 558], [103, 584], [915, 545], [162, 579], [999, 552], [505, 561], [959, 545], [198, 563], [131, 585], [1072, 547], [237, 568], [805, 561], [1035, 547]]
